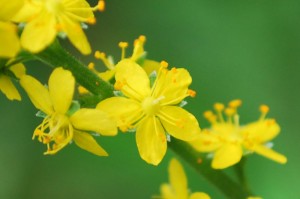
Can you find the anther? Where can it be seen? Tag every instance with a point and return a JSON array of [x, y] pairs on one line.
[[230, 112], [91, 20], [219, 107], [164, 64], [142, 38], [123, 44], [82, 90], [264, 109], [91, 66], [99, 55], [235, 103], [101, 5], [191, 93]]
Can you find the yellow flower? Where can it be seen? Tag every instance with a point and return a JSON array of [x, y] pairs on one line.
[[153, 112], [6, 85], [229, 141], [46, 18], [60, 126], [9, 39], [178, 187]]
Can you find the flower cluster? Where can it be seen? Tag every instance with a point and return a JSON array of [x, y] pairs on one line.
[[229, 141]]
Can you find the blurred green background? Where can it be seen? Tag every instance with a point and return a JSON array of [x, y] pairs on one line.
[[233, 49]]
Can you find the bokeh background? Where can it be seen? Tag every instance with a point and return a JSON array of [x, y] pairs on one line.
[[233, 49]]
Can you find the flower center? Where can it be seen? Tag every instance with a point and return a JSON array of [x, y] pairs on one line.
[[151, 106]]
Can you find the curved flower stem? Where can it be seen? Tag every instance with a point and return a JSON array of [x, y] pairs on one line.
[[56, 56], [218, 178], [240, 172]]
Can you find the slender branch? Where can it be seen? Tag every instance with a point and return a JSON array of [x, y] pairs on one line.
[[240, 173], [218, 178], [56, 56]]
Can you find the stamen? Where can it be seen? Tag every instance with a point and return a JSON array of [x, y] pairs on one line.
[[191, 93], [164, 64], [82, 90], [91, 20], [123, 46], [235, 103], [101, 5], [91, 66], [264, 109], [219, 107], [210, 116], [230, 112]]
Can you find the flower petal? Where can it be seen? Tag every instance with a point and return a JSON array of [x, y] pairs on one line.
[[61, 88], [172, 85], [206, 142], [167, 191], [262, 131], [88, 143], [151, 140], [199, 195], [79, 8], [178, 179], [94, 120], [134, 81], [9, 40], [227, 155], [125, 111], [9, 9], [7, 87], [149, 66], [18, 69], [75, 34], [38, 94], [39, 32], [179, 123], [269, 153]]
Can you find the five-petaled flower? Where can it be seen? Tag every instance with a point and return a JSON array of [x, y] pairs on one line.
[[46, 18], [178, 186], [229, 141], [60, 126], [152, 111]]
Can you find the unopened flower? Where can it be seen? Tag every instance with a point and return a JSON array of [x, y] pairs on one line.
[[46, 18], [152, 111], [229, 141], [60, 126], [177, 188]]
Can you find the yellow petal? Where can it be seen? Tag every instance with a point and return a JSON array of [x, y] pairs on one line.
[[167, 192], [79, 8], [262, 131], [125, 111], [179, 123], [88, 143], [37, 93], [61, 88], [151, 140], [94, 120], [9, 9], [18, 69], [7, 87], [206, 142], [227, 155], [134, 81], [199, 195], [269, 153], [9, 40], [75, 34], [28, 11], [178, 179], [39, 32], [172, 85], [149, 66], [107, 75]]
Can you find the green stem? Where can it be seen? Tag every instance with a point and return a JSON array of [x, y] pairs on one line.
[[56, 56], [218, 178], [240, 173]]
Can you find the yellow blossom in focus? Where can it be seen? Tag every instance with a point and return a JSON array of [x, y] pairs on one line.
[[229, 141], [178, 186], [60, 127], [9, 40], [46, 18], [152, 111], [6, 85]]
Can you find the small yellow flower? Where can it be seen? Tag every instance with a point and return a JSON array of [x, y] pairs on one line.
[[153, 112], [9, 40], [60, 127], [6, 85], [178, 186], [228, 141], [46, 18]]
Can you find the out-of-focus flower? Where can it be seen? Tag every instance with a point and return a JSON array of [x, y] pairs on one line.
[[46, 18], [177, 188], [228, 141], [152, 111], [9, 40], [60, 125]]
